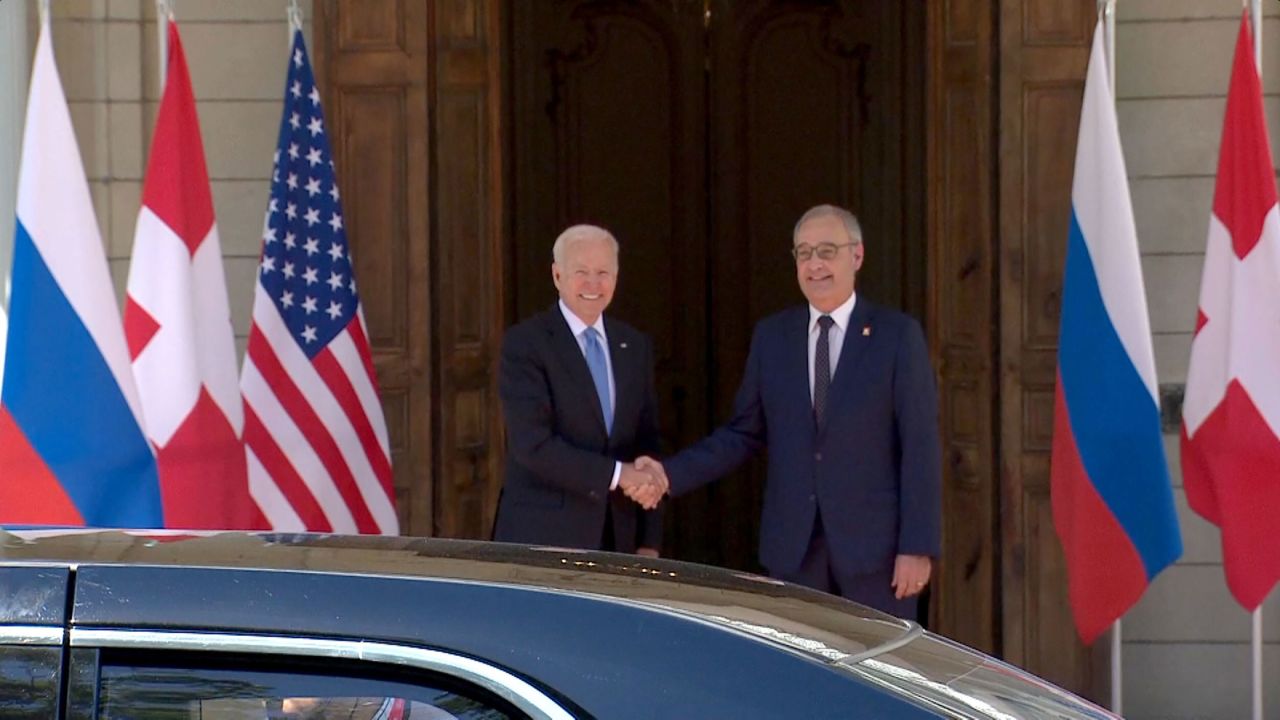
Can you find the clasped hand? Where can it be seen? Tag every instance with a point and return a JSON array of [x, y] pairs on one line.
[[644, 481]]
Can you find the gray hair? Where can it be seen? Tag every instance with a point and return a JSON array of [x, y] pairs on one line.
[[850, 222], [577, 234]]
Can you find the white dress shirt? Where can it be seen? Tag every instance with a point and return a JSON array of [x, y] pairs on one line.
[[579, 329], [835, 336]]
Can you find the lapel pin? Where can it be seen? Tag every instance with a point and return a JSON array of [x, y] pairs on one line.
[[622, 345], [866, 331]]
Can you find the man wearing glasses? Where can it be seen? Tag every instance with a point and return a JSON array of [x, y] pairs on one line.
[[841, 393]]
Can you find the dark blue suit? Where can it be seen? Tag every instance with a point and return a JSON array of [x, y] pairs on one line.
[[560, 459], [873, 470]]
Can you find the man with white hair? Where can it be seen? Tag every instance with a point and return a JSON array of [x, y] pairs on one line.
[[580, 405]]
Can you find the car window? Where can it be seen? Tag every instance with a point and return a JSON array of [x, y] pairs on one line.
[[172, 692], [29, 682]]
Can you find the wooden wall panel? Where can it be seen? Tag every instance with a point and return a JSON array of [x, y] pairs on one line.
[[469, 241], [372, 70], [962, 272], [1043, 54]]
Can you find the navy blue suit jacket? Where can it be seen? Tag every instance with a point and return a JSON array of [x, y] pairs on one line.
[[560, 460], [873, 470]]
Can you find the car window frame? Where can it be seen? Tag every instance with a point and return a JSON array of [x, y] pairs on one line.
[[515, 690]]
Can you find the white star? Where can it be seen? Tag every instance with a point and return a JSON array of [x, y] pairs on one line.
[[293, 151], [286, 299], [275, 175], [334, 192], [314, 157], [315, 126], [335, 251], [353, 285], [291, 210], [309, 304], [297, 58], [273, 207], [287, 271], [275, 157], [297, 86], [313, 187], [310, 276], [335, 280], [336, 221], [269, 235], [294, 121], [309, 334], [312, 217], [268, 264], [335, 310], [290, 240], [292, 181], [315, 96], [312, 246]]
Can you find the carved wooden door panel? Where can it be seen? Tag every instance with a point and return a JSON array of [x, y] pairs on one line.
[[609, 128], [1044, 50], [810, 102]]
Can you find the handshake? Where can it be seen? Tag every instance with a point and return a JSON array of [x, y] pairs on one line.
[[644, 481]]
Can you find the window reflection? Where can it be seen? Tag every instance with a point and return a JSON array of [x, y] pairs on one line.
[[174, 693]]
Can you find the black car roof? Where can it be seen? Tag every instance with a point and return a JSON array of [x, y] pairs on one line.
[[826, 627]]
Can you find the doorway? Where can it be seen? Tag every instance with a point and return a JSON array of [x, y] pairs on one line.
[[698, 131]]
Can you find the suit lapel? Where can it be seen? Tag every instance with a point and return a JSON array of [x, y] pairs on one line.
[[857, 338], [566, 346], [622, 355], [796, 364]]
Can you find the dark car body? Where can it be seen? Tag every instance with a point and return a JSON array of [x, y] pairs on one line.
[[232, 626]]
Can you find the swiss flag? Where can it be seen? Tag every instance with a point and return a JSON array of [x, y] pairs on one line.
[[178, 326], [1231, 414]]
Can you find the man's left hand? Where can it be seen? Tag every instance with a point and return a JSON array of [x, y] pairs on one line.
[[910, 575]]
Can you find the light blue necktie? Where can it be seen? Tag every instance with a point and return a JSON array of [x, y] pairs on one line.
[[599, 374]]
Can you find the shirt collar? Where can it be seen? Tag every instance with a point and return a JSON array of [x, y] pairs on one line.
[[840, 315], [576, 326]]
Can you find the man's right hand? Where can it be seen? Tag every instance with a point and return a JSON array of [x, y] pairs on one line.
[[645, 486]]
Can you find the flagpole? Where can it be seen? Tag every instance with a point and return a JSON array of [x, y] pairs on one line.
[[44, 11], [1255, 11], [294, 14], [163, 14], [1107, 13]]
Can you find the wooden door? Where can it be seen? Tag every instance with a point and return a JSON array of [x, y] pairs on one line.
[[609, 128], [1044, 51], [372, 69], [810, 102], [414, 95], [699, 131]]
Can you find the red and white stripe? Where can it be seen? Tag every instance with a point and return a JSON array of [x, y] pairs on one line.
[[178, 325], [319, 458]]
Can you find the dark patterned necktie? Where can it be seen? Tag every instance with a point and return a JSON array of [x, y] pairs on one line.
[[822, 368]]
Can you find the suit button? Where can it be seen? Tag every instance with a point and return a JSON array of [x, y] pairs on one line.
[[813, 498], [817, 456]]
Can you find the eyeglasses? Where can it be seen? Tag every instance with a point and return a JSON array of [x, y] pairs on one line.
[[824, 251]]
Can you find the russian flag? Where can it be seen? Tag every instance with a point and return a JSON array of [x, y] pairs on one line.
[[72, 447], [1112, 498]]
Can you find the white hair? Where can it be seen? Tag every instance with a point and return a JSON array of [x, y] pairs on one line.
[[850, 222], [577, 234]]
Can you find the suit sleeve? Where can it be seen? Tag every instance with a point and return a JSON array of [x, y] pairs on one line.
[[527, 408], [649, 442], [731, 444], [920, 465]]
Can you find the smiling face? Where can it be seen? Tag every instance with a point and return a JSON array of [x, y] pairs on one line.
[[587, 275], [827, 284]]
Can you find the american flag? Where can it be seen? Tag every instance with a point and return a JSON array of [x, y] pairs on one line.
[[314, 433]]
